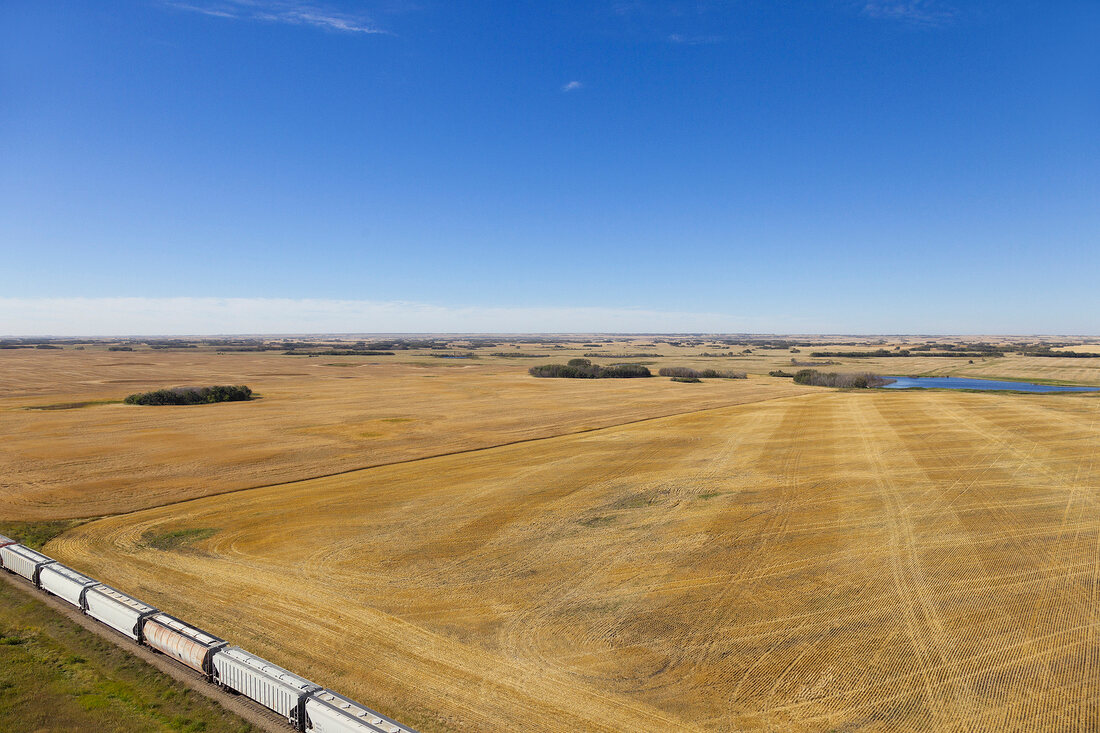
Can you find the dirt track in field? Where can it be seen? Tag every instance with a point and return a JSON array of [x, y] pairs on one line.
[[849, 561]]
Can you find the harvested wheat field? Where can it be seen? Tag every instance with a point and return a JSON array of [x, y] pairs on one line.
[[71, 450], [823, 561]]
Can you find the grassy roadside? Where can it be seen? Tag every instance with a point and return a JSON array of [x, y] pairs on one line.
[[57, 676], [35, 535]]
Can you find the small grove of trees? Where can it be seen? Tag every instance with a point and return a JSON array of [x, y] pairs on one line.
[[861, 380], [585, 369], [902, 353], [191, 395], [1048, 353], [338, 352], [700, 373]]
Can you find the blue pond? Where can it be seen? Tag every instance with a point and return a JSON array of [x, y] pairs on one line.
[[984, 384]]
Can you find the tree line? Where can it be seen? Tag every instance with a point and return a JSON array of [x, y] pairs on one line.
[[191, 395], [689, 373], [902, 353], [585, 369], [858, 380]]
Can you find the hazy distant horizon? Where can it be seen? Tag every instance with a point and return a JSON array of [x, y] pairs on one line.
[[130, 317]]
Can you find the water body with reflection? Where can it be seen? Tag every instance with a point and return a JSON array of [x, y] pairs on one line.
[[982, 384]]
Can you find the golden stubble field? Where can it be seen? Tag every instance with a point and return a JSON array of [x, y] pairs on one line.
[[595, 555], [324, 415], [317, 416], [847, 561]]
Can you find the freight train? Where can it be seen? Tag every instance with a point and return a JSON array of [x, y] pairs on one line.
[[305, 706]]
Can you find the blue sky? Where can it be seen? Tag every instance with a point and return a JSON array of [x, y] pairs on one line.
[[873, 166]]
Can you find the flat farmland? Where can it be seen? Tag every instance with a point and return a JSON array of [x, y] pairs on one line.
[[71, 450], [814, 561]]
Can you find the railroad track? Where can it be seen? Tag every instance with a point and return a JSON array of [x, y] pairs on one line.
[[251, 711]]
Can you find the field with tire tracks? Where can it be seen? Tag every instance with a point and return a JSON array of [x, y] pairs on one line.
[[815, 561]]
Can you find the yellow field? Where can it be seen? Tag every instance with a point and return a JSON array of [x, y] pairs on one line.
[[313, 419], [734, 555], [324, 415], [835, 560]]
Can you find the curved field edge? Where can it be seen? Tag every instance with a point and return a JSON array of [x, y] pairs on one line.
[[858, 561]]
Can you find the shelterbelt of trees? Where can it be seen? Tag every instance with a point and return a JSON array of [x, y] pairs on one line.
[[191, 395], [689, 373], [861, 380], [585, 369], [901, 353]]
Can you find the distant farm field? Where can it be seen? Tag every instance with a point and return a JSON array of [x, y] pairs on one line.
[[465, 547], [71, 450], [848, 561]]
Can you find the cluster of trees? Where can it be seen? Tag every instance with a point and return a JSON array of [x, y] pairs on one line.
[[585, 369], [235, 349], [19, 343], [339, 352], [599, 355], [402, 344], [519, 355], [1062, 354], [930, 345], [120, 348], [191, 395], [859, 380], [700, 373], [879, 353]]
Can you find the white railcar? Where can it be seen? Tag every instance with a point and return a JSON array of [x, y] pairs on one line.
[[24, 561], [121, 612], [305, 705], [329, 712], [181, 641], [268, 684], [65, 583]]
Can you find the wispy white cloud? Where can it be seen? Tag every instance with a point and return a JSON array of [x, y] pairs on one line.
[[572, 86], [191, 316], [687, 40], [919, 12], [215, 12], [290, 12]]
